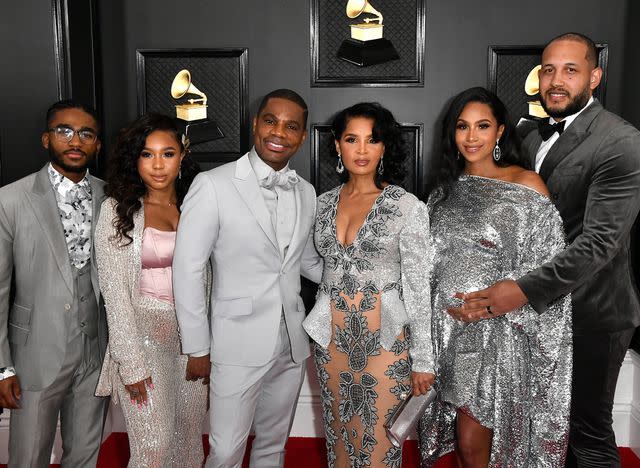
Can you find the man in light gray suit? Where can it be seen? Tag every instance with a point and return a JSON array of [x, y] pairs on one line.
[[253, 219], [52, 337], [590, 160]]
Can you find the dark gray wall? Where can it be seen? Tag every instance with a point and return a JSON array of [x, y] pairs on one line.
[[28, 84], [277, 35], [631, 85]]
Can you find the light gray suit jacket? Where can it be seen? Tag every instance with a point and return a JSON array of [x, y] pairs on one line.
[[33, 251], [225, 219], [593, 175]]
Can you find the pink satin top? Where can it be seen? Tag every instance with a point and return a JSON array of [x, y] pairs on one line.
[[157, 256]]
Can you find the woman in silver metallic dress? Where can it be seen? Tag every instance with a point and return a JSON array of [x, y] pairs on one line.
[[149, 174], [374, 290], [503, 382]]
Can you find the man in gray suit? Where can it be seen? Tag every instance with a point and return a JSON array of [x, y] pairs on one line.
[[52, 337], [590, 160], [253, 218]]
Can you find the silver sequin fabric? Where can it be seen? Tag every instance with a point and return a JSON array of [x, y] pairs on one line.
[[510, 373], [144, 342]]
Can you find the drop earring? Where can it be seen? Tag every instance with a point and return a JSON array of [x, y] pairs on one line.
[[381, 167], [340, 166], [497, 152]]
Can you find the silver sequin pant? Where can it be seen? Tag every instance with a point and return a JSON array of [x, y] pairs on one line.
[[168, 431]]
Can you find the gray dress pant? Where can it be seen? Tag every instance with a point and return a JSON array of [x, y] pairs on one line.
[[597, 358], [264, 397], [71, 395]]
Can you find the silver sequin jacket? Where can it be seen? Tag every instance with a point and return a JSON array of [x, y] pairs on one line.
[[119, 265]]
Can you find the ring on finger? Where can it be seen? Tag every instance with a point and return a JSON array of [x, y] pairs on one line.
[[489, 310]]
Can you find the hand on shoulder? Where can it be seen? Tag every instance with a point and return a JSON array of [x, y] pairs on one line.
[[532, 180]]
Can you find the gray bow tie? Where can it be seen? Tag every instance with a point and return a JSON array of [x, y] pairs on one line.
[[284, 180]]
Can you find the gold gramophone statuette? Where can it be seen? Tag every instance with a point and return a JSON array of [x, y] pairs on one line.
[[532, 87], [366, 45], [196, 109], [369, 30]]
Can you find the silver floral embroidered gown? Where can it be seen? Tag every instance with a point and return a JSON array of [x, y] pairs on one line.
[[510, 373], [374, 294]]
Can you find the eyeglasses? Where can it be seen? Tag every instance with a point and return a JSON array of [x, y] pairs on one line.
[[65, 134]]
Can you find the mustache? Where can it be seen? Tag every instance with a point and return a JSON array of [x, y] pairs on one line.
[[557, 90]]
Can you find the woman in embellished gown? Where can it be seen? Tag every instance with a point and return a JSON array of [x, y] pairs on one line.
[[503, 382], [374, 291], [143, 370]]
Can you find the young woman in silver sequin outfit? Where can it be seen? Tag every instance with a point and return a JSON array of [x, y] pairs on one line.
[[149, 174], [503, 382], [374, 288]]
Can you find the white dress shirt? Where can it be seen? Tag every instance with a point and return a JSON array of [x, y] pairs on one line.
[[281, 203], [546, 145]]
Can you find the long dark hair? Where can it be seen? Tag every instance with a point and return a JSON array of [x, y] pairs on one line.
[[385, 130], [124, 184], [451, 165]]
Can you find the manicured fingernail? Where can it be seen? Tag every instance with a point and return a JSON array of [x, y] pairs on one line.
[[133, 402], [146, 403], [139, 406], [151, 386]]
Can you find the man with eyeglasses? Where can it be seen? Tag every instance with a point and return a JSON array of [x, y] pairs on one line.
[[53, 335]]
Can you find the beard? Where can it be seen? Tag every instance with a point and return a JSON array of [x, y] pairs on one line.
[[576, 104], [56, 158]]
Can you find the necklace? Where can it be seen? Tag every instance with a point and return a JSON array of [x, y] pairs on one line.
[[150, 202]]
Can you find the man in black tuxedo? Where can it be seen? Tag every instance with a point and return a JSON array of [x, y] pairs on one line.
[[590, 160]]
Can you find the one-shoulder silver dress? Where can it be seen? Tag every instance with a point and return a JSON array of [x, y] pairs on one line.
[[510, 373]]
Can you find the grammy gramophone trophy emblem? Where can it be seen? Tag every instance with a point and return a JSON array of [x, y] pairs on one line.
[[535, 111], [192, 113], [367, 46], [532, 88]]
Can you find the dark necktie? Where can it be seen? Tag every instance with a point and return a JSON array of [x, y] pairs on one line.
[[546, 129]]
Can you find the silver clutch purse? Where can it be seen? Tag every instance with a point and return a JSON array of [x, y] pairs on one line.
[[402, 421]]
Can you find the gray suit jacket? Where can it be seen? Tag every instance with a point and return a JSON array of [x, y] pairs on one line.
[[593, 175], [225, 219], [33, 251]]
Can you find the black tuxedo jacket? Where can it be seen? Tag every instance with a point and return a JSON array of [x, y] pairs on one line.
[[593, 174]]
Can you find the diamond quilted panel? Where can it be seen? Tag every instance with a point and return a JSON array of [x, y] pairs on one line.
[[325, 176], [218, 77], [512, 72], [400, 27], [512, 69]]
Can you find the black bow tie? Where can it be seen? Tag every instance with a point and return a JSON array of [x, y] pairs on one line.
[[546, 129]]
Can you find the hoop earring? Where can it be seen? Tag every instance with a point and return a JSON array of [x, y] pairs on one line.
[[381, 167], [497, 152], [340, 166]]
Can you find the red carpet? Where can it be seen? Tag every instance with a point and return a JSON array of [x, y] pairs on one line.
[[306, 452], [301, 452]]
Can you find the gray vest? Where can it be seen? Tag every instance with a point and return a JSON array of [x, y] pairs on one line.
[[83, 316]]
